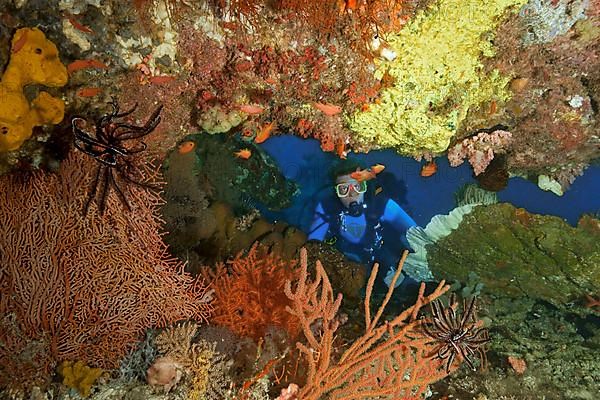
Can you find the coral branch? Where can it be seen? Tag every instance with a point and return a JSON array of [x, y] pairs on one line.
[[390, 360]]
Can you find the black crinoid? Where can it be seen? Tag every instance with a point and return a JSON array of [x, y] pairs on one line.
[[114, 146], [457, 334]]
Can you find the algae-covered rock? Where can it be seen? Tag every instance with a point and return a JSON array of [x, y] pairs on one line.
[[517, 253], [241, 182]]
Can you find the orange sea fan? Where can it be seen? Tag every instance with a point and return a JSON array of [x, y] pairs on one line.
[[249, 294], [84, 288]]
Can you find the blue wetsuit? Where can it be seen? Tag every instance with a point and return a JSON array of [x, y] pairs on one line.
[[361, 236]]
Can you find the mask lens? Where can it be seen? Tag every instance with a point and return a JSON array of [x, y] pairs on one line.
[[360, 187], [342, 189]]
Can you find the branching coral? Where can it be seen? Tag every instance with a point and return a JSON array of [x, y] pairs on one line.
[[390, 360]]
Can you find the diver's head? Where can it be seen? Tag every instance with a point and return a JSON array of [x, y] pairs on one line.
[[351, 192]]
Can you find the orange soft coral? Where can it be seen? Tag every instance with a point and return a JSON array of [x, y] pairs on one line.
[[249, 294]]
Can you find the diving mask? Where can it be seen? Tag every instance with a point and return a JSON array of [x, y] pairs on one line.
[[343, 189]]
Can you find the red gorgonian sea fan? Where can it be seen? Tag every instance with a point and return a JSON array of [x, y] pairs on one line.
[[249, 296], [87, 287]]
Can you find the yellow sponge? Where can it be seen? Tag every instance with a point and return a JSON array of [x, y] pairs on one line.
[[34, 60], [79, 376]]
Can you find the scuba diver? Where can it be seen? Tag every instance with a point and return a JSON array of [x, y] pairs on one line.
[[358, 217]]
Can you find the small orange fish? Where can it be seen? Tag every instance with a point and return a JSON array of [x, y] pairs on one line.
[[328, 109], [347, 5], [367, 174], [186, 147], [340, 149], [429, 169], [158, 79], [493, 107], [362, 175], [77, 25], [351, 4], [377, 168], [251, 109], [88, 92], [244, 154], [83, 64], [265, 132], [19, 43]]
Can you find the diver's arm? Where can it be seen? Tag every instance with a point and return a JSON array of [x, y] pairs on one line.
[[395, 215], [319, 226]]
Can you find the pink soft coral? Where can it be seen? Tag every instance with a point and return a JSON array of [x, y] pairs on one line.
[[479, 149]]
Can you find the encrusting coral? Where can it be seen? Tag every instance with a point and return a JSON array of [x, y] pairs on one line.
[[520, 254], [34, 60], [479, 149]]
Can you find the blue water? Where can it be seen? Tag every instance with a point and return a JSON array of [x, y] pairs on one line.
[[303, 161]]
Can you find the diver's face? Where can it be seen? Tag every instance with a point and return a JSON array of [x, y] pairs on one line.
[[353, 196]]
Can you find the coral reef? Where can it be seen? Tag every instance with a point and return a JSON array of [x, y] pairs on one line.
[[187, 216], [556, 345], [440, 226], [437, 77], [346, 276], [134, 365], [236, 181], [389, 360], [552, 114], [215, 120], [33, 60], [547, 20], [23, 361], [82, 290], [205, 213], [206, 368]]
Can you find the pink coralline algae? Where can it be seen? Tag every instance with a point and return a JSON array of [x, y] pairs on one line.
[[479, 149]]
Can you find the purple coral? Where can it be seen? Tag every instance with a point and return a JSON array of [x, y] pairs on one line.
[[479, 149]]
